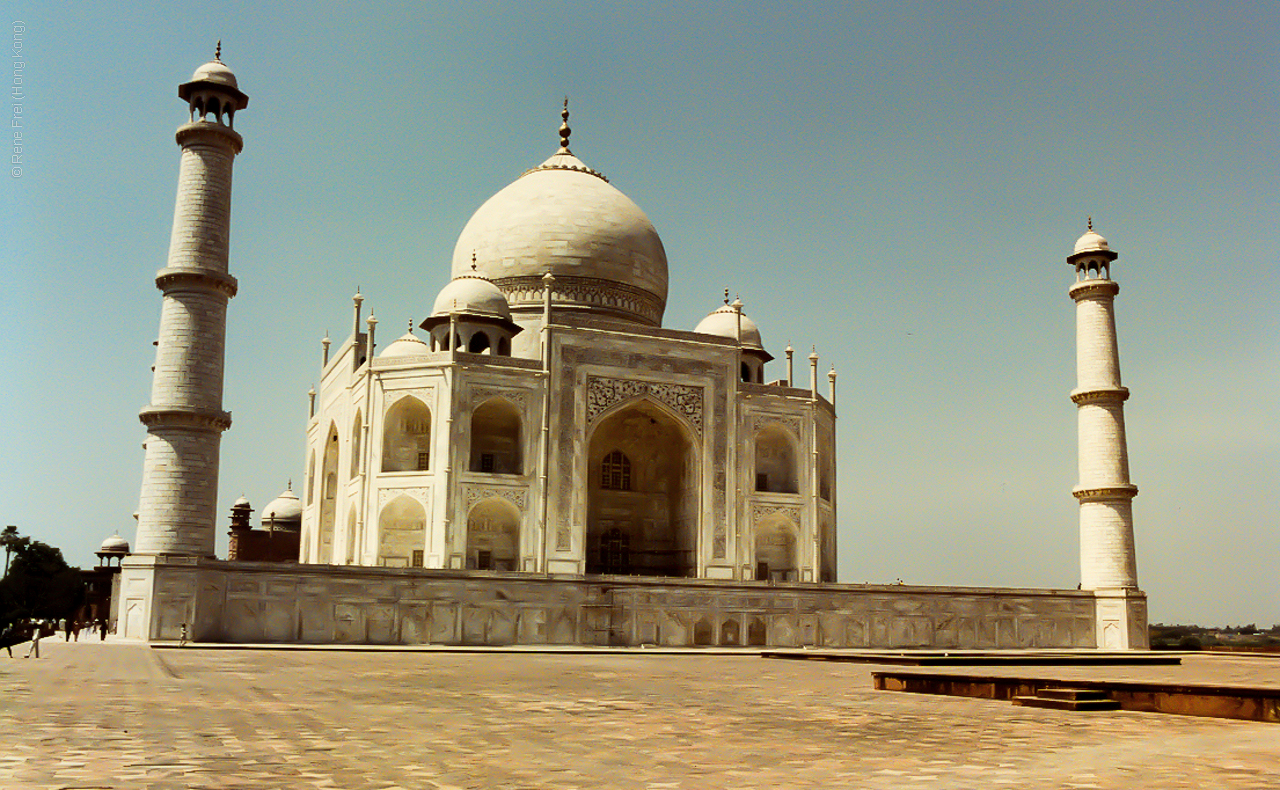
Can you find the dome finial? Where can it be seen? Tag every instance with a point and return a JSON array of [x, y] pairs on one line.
[[1090, 223], [217, 52], [289, 487], [565, 131], [726, 296]]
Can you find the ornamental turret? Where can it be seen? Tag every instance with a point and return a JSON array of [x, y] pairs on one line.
[[1108, 561], [185, 418]]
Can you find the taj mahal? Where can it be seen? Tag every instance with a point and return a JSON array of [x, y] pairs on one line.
[[542, 461]]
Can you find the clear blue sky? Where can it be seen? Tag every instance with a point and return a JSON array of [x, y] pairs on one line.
[[899, 186]]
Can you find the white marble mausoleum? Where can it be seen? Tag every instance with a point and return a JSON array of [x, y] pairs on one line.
[[541, 461]]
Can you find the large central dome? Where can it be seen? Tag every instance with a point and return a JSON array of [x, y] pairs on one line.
[[565, 218]]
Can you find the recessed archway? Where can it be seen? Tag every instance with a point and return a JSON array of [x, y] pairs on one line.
[[776, 549], [493, 536], [495, 438], [776, 461], [402, 530], [406, 437], [643, 522], [357, 425], [328, 497]]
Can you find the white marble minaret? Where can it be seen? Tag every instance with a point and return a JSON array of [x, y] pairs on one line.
[[185, 419], [1108, 563]]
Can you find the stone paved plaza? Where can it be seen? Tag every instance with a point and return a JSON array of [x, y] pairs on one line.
[[95, 715]]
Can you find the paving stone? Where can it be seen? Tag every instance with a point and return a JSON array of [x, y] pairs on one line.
[[97, 715]]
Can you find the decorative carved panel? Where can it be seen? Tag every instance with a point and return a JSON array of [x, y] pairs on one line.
[[604, 393], [518, 397], [790, 423], [516, 496], [423, 495], [761, 510]]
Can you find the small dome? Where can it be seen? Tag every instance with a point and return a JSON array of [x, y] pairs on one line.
[[241, 502], [215, 71], [285, 510], [723, 322], [114, 545], [470, 293], [407, 345], [1091, 242]]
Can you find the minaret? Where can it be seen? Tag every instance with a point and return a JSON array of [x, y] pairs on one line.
[[185, 419], [1108, 563]]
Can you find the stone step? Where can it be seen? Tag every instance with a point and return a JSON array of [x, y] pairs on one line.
[[1070, 693], [1067, 704]]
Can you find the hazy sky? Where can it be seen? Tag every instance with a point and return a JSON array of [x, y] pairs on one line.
[[898, 186]]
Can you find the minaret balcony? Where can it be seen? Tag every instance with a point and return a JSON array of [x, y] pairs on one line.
[[1099, 395]]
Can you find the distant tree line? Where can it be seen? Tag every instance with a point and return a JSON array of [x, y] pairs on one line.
[[1195, 637], [38, 583]]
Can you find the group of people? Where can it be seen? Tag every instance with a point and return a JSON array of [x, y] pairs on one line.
[[33, 630]]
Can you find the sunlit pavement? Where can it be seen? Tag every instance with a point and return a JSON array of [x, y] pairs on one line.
[[95, 715]]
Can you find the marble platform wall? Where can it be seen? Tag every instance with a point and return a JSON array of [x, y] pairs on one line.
[[261, 602]]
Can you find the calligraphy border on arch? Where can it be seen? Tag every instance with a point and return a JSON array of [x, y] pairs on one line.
[[762, 510], [516, 396], [422, 495], [760, 420], [516, 496], [604, 393]]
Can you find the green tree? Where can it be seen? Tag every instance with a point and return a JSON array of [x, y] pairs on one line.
[[39, 583]]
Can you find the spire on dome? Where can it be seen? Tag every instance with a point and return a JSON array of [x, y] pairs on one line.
[[1090, 223], [565, 131], [217, 52]]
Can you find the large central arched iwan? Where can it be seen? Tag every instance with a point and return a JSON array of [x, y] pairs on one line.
[[643, 494]]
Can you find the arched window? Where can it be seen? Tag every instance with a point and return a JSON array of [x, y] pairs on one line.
[[615, 472], [479, 343]]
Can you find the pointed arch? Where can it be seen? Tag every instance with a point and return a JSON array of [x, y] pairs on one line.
[[351, 536], [357, 428], [406, 436], [479, 343], [776, 465], [776, 548], [311, 478], [402, 529], [493, 535], [328, 496], [497, 441], [651, 527]]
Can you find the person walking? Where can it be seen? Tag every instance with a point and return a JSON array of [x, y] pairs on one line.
[[35, 642]]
